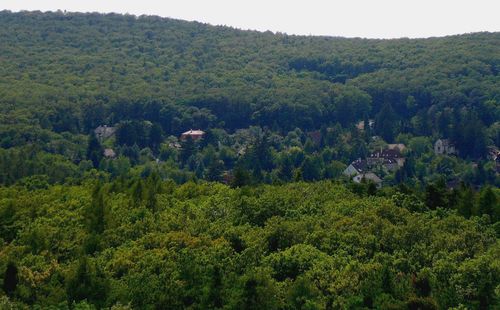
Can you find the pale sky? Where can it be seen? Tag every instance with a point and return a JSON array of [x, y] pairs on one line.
[[347, 18]]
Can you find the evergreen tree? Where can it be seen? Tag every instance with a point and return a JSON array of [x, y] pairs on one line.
[[155, 136], [94, 151], [188, 148], [285, 171], [96, 211], [214, 171], [10, 279], [435, 195], [241, 176], [466, 199], [87, 282], [311, 168], [153, 188], [386, 123], [138, 192], [489, 204]]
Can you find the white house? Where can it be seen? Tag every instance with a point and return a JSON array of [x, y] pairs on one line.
[[104, 132], [444, 146]]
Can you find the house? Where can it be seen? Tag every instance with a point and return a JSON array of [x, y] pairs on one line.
[[175, 145], [493, 153], [444, 147], [361, 125], [356, 167], [369, 176], [379, 157], [104, 132], [194, 134], [109, 153]]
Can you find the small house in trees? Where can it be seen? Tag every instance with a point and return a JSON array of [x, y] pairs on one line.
[[109, 153], [444, 147], [104, 132], [361, 125], [369, 177], [193, 134]]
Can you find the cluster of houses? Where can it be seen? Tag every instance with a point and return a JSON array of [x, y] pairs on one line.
[[389, 159], [102, 133]]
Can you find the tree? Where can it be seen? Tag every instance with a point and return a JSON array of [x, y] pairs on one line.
[[311, 168], [285, 171], [241, 176], [214, 171], [10, 279], [138, 192], [87, 282], [96, 211], [94, 150], [435, 195], [386, 123], [466, 200], [153, 188], [188, 148], [155, 136], [488, 204]]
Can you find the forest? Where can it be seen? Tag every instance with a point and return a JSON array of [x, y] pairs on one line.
[[151, 244], [154, 163]]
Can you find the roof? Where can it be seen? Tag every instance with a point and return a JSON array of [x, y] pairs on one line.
[[445, 142], [359, 165], [109, 153], [388, 153], [105, 131], [370, 176], [192, 132]]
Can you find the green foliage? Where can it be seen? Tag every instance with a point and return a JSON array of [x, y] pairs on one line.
[[206, 245], [146, 230]]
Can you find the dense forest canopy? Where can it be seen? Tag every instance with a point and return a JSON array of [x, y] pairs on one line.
[[64, 74], [147, 244], [152, 163], [56, 66]]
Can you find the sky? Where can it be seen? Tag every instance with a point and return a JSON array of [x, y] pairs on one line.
[[347, 18]]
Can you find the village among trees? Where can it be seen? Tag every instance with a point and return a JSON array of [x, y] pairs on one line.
[[151, 163]]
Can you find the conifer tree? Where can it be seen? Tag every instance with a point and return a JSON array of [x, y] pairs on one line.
[[10, 279]]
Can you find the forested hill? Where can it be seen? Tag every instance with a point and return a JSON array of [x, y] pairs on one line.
[[64, 74], [55, 65]]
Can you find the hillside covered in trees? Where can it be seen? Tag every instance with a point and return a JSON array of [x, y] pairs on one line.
[[63, 75], [151, 163]]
